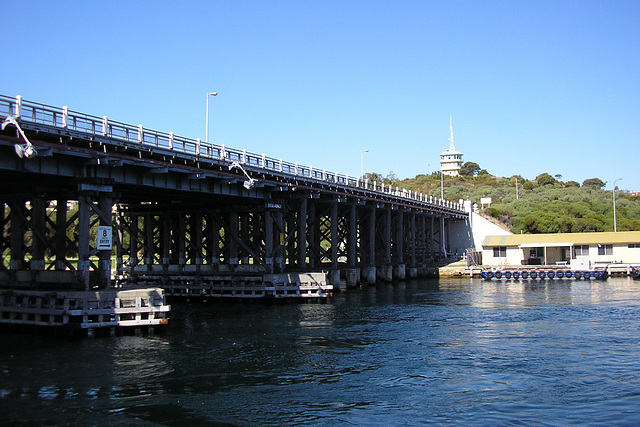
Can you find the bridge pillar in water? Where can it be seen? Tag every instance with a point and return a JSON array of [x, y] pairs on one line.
[[352, 243], [369, 275], [398, 247], [269, 243], [385, 269], [385, 273], [367, 239], [302, 234], [333, 277], [352, 276], [84, 220], [399, 272], [94, 200]]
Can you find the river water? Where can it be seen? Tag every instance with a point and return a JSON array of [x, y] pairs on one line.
[[412, 353]]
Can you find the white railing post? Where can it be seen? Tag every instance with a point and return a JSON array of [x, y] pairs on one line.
[[295, 171], [140, 134], [104, 125], [263, 160], [65, 115], [223, 153], [280, 167], [170, 140], [244, 156], [198, 147], [18, 105]]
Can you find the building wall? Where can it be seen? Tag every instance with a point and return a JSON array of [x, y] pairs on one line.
[[621, 253], [482, 227], [513, 256]]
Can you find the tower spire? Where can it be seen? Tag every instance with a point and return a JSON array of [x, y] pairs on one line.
[[451, 147]]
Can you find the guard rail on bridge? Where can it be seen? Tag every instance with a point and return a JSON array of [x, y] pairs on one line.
[[46, 118]]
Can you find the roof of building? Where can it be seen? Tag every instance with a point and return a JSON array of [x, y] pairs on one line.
[[562, 239], [450, 151]]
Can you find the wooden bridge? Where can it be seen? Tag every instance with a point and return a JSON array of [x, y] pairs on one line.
[[92, 203]]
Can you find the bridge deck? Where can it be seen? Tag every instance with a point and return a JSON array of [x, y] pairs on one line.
[[106, 141]]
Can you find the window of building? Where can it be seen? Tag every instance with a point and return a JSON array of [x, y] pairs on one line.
[[634, 245], [582, 250], [500, 252], [536, 252], [605, 249]]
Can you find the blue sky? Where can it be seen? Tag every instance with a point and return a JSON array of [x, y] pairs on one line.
[[533, 86]]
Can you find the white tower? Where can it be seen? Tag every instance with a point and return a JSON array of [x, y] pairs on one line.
[[450, 159]]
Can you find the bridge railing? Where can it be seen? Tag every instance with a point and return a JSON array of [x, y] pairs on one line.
[[111, 130]]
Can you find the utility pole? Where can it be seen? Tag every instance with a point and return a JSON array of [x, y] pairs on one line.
[[615, 219]]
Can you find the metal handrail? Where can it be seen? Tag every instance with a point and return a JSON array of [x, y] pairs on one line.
[[103, 127]]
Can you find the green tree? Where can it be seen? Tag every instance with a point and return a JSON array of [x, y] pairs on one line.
[[593, 182], [540, 207], [545, 179], [469, 169]]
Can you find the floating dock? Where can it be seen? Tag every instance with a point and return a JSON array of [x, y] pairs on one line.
[[238, 286], [85, 310], [544, 274]]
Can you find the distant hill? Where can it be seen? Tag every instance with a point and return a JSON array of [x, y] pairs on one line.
[[543, 205]]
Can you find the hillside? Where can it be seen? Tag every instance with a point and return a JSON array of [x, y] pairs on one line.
[[544, 205]]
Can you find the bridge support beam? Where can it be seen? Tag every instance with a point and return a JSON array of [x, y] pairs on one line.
[[38, 227], [59, 236], [16, 239], [368, 243]]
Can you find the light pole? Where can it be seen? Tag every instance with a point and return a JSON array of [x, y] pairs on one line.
[[362, 162], [615, 220], [207, 131]]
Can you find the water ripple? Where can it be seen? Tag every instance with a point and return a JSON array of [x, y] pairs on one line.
[[426, 352]]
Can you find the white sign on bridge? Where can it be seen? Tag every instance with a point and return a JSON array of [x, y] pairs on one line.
[[103, 240]]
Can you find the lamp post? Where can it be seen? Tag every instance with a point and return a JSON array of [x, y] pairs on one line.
[[615, 220], [362, 162], [207, 131]]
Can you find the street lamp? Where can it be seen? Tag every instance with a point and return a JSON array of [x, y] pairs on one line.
[[362, 162], [207, 131], [615, 220]]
